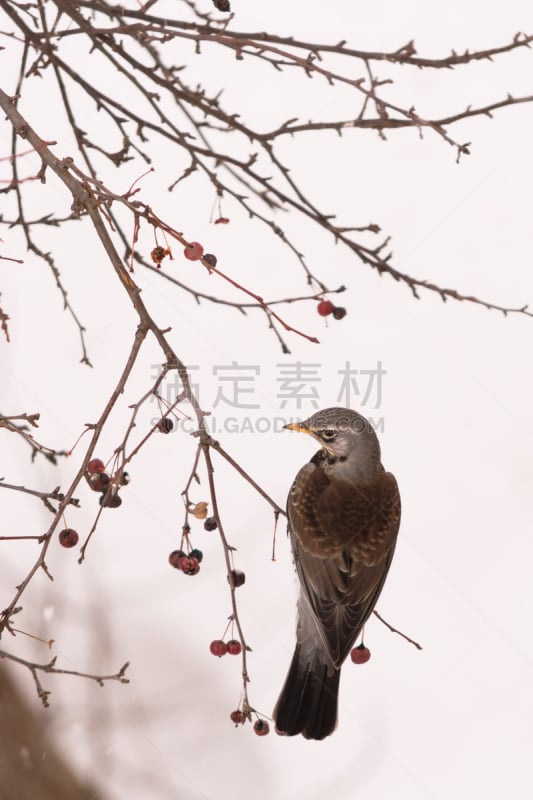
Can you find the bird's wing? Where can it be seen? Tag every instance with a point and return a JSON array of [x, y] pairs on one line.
[[343, 540]]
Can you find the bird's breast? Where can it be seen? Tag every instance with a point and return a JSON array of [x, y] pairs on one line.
[[329, 516]]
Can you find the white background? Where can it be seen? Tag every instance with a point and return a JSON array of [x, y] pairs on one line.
[[451, 721]]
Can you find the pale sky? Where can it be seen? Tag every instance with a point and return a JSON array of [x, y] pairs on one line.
[[454, 420]]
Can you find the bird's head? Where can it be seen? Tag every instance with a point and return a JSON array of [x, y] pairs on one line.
[[346, 436]]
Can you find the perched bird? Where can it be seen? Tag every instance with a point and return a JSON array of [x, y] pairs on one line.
[[344, 515]]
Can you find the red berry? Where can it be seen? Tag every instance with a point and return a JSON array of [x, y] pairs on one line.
[[193, 251], [237, 577], [210, 524], [360, 654], [174, 558], [188, 565], [325, 308], [234, 647], [95, 466], [237, 717], [68, 538], [98, 481], [339, 313], [261, 727], [192, 567], [165, 425], [218, 648]]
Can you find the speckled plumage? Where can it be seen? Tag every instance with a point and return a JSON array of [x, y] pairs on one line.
[[344, 515]]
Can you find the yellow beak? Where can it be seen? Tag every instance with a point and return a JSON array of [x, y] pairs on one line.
[[300, 427]]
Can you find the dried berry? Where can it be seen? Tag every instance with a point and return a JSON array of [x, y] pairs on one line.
[[98, 481], [211, 259], [360, 654], [158, 254], [197, 554], [174, 558], [125, 478], [165, 425], [95, 465], [237, 577], [68, 537], [261, 727], [222, 5], [237, 717], [210, 524], [218, 648], [199, 510], [339, 313], [110, 500], [193, 251], [234, 647], [325, 308]]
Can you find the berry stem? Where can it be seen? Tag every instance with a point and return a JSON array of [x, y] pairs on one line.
[[226, 629], [227, 555], [87, 540], [153, 219], [193, 476]]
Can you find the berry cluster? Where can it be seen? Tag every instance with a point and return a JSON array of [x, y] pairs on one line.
[[188, 560], [219, 648], [194, 251], [326, 307], [99, 481], [189, 563], [261, 726]]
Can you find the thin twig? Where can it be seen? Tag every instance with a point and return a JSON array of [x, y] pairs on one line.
[[394, 630], [51, 669]]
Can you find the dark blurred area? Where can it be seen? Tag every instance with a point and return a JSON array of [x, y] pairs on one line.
[[31, 768]]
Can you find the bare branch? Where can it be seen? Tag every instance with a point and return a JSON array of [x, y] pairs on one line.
[[51, 669]]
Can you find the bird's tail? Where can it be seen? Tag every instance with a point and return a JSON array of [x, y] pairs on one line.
[[308, 701]]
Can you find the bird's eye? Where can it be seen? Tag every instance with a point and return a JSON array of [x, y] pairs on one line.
[[328, 434]]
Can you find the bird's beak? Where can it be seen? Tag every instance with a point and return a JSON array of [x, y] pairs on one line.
[[301, 427]]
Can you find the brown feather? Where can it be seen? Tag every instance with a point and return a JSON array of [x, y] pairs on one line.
[[343, 538]]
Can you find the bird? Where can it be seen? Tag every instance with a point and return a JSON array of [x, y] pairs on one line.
[[343, 514]]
